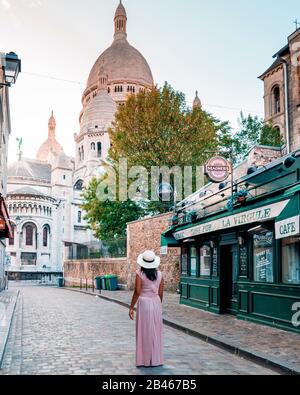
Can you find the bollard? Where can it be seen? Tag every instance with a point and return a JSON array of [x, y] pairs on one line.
[[86, 285]]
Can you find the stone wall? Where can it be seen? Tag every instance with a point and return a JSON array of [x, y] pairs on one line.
[[146, 235], [74, 271], [141, 236]]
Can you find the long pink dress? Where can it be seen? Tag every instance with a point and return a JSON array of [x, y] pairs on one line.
[[149, 324]]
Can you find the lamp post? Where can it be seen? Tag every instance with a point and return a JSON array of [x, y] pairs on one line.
[[10, 65]]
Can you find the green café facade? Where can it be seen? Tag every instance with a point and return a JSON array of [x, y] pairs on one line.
[[244, 258]]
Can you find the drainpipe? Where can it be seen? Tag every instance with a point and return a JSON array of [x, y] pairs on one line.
[[286, 104]]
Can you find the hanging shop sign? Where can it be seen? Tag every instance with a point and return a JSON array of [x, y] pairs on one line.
[[261, 214], [288, 227], [217, 169]]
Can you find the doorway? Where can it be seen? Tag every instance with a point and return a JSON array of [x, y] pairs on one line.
[[229, 279]]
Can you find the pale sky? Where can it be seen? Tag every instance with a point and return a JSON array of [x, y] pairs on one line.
[[218, 47]]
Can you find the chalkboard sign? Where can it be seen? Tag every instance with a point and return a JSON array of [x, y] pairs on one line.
[[215, 263], [243, 262]]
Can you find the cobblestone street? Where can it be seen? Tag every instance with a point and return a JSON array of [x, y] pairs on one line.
[[60, 332]]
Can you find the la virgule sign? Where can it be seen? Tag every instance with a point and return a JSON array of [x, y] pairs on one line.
[[261, 214]]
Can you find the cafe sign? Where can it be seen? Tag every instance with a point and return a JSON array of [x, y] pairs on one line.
[[287, 228], [261, 214], [217, 169]]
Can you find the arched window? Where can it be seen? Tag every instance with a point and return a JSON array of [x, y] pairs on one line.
[[12, 239], [99, 150], [46, 236], [79, 217], [93, 146], [78, 186], [276, 100], [108, 90], [29, 235]]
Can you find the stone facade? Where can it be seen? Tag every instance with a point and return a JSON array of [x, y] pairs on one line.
[[276, 86], [141, 235]]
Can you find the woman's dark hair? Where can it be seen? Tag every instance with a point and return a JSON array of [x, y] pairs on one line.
[[151, 274]]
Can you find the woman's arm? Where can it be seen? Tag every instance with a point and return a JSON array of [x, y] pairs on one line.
[[136, 295], [161, 289]]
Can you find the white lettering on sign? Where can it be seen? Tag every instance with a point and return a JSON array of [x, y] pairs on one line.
[[261, 214], [288, 227]]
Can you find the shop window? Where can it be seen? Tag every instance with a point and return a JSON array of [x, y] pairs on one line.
[[291, 260], [193, 261], [263, 257], [205, 261], [184, 261]]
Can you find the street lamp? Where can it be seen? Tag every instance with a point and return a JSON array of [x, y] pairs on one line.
[[11, 67]]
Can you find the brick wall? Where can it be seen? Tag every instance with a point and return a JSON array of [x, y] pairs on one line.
[[141, 236], [146, 235], [74, 271]]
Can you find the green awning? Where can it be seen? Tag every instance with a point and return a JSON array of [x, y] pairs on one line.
[[273, 207], [167, 240], [287, 224]]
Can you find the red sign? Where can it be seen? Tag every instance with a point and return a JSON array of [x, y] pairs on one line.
[[217, 169]]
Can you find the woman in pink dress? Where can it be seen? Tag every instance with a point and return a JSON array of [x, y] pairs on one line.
[[149, 289]]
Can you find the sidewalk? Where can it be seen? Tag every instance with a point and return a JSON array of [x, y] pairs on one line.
[[8, 300], [269, 346]]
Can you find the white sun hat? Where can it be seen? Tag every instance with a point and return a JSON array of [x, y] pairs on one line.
[[148, 260]]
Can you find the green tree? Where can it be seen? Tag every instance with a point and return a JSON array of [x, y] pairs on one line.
[[252, 131], [157, 128], [108, 218]]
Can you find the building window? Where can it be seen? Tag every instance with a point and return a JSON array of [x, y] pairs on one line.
[[276, 100], [12, 239], [205, 261], [193, 261], [45, 236], [78, 186], [291, 260], [29, 235], [99, 150], [93, 147], [64, 177], [184, 261], [79, 217], [263, 253]]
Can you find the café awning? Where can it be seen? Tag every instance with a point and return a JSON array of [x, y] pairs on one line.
[[287, 224], [5, 225]]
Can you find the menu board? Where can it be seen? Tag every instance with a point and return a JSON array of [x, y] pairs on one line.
[[215, 263], [243, 262], [263, 257], [184, 261]]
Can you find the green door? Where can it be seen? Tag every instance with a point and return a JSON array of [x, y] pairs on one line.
[[229, 279]]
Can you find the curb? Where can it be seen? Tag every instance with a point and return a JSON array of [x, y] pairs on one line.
[[252, 356], [9, 316]]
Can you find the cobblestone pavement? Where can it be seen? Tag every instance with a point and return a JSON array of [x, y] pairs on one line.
[[278, 345], [61, 332]]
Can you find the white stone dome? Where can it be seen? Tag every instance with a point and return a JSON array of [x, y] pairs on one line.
[[99, 113], [123, 63]]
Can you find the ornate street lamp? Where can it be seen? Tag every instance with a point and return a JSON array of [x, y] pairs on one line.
[[11, 67]]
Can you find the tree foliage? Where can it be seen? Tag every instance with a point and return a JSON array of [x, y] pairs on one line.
[[108, 219], [252, 131]]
